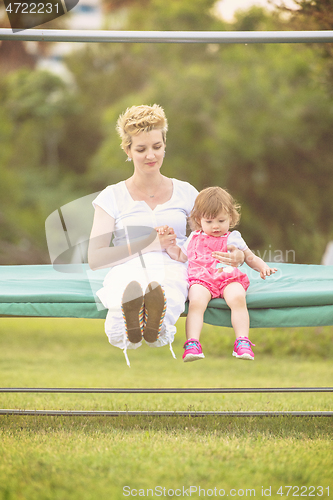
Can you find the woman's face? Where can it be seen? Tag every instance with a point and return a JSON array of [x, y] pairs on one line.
[[147, 151]]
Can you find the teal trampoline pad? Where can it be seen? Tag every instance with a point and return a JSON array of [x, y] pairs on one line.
[[297, 295]]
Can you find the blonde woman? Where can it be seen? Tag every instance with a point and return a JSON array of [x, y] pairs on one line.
[[145, 289]]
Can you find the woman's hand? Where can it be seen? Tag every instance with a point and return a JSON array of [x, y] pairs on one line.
[[166, 235], [234, 257]]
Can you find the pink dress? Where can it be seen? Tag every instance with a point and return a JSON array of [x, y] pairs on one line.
[[202, 267]]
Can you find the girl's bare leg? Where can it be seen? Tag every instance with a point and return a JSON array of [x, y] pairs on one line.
[[198, 297], [234, 295]]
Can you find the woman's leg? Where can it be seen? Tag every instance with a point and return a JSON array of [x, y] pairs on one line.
[[235, 296], [198, 297]]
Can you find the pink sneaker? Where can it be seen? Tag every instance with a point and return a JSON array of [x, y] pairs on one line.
[[193, 350], [242, 348]]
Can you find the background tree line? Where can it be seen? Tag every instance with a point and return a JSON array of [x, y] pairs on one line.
[[255, 119]]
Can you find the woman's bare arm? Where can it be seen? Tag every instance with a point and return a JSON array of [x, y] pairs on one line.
[[101, 255]]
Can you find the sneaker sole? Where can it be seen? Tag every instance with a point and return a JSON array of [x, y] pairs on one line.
[[132, 303], [243, 356], [155, 306], [193, 357]]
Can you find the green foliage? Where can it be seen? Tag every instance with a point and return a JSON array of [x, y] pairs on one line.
[[9, 186], [36, 95], [38, 104], [312, 15], [35, 107], [184, 15], [256, 119]]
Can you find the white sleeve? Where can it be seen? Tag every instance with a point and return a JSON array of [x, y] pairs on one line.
[[184, 247], [106, 200], [192, 196], [187, 194], [235, 238]]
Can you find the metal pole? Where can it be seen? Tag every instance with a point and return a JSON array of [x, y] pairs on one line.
[[168, 36], [84, 413], [145, 390]]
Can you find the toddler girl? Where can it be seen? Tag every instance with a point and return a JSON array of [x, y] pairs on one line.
[[213, 214]]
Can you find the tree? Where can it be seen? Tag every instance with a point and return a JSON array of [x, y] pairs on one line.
[[311, 14], [314, 15], [38, 103], [34, 106], [253, 119]]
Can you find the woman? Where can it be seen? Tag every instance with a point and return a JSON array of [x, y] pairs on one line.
[[145, 290]]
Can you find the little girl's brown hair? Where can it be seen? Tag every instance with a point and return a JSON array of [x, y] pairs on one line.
[[210, 202]]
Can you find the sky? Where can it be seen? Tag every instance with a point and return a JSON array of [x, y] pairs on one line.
[[227, 8]]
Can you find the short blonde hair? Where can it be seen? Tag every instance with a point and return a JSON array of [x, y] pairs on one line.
[[210, 202], [140, 119]]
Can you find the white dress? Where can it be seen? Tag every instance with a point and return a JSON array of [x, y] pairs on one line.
[[152, 266]]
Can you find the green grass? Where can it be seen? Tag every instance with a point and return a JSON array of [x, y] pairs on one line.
[[61, 458], [69, 458]]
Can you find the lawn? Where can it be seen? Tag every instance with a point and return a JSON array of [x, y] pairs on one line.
[[85, 458]]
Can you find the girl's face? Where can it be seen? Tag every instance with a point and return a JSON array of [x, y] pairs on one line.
[[147, 151], [216, 226]]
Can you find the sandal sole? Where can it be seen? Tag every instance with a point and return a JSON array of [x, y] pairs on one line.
[[132, 304], [154, 300]]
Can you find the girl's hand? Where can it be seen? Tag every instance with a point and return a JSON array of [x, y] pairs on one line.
[[234, 257], [161, 230], [267, 271], [166, 235]]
